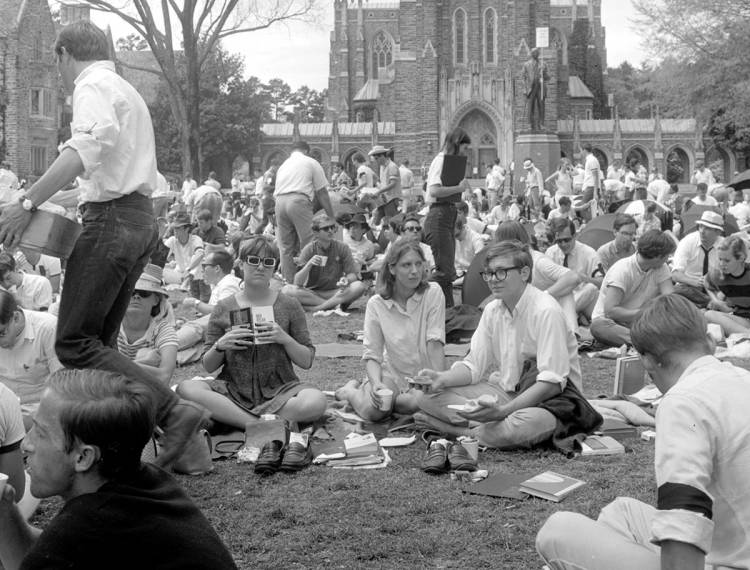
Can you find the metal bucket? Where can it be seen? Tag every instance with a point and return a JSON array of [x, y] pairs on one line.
[[51, 234]]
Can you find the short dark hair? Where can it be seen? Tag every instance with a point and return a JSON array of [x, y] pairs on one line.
[[223, 259], [410, 217], [563, 201], [83, 41], [669, 324], [512, 230], [261, 246], [701, 186], [205, 216], [7, 264], [301, 145], [622, 220], [358, 158], [462, 207], [8, 306], [519, 252], [587, 147], [655, 244], [114, 412], [560, 225]]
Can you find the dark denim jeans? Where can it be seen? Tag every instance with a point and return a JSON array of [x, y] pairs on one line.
[[108, 258], [438, 234]]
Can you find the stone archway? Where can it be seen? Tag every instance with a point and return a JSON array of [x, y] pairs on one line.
[[721, 164], [603, 158], [677, 166], [348, 161], [638, 153], [483, 148]]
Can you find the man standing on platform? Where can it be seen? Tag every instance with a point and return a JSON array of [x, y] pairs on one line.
[[112, 152]]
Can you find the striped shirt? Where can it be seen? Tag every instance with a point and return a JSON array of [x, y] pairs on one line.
[[160, 334], [736, 289]]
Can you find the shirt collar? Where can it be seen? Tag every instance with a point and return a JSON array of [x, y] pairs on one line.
[[414, 299], [29, 331], [521, 305], [707, 360], [101, 64]]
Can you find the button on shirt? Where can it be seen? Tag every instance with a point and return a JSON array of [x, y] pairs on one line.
[[397, 338], [300, 174], [703, 457], [689, 256], [534, 330], [25, 367], [113, 135]]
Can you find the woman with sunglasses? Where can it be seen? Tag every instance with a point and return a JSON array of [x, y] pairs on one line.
[[147, 333], [404, 333], [441, 218], [257, 374]]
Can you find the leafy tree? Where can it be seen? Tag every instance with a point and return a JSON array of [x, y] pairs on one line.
[[309, 103], [278, 93], [131, 42], [196, 28]]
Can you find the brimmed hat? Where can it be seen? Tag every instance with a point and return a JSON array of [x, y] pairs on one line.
[[711, 220], [181, 219], [527, 163], [358, 219], [151, 280], [378, 149]]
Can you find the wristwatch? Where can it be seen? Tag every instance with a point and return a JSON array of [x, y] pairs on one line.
[[27, 204]]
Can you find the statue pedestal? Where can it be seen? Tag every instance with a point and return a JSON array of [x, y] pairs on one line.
[[542, 148]]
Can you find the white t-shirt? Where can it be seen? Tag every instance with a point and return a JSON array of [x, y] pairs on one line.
[[11, 419], [300, 174], [591, 172], [34, 293], [184, 254], [226, 287]]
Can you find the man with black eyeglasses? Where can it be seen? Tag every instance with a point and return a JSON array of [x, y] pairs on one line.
[[518, 382], [329, 275]]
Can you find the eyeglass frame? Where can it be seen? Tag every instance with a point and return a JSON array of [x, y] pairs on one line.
[[413, 229], [264, 261], [488, 276], [329, 229]]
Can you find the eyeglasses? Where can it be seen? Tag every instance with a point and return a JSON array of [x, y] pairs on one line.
[[255, 260], [500, 274], [327, 229], [204, 265], [563, 240], [412, 229], [142, 294]]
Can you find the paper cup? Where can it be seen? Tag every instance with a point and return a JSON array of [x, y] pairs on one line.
[[323, 260], [471, 445], [714, 331], [386, 399], [3, 481]]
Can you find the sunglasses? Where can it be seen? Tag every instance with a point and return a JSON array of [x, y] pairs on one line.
[[142, 294], [256, 261], [327, 229], [412, 229], [563, 240]]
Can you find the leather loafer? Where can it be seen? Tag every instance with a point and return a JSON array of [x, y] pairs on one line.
[[459, 459], [269, 459], [296, 457], [435, 460]]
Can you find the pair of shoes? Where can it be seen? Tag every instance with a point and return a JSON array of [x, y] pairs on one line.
[[275, 457], [443, 456]]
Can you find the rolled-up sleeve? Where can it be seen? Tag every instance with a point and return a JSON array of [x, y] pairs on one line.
[[684, 466], [373, 341], [95, 128], [435, 319]]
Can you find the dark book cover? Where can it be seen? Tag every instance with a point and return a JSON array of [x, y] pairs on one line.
[[454, 171]]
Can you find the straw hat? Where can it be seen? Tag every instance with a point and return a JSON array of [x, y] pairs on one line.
[[377, 150], [151, 280], [711, 220], [358, 219], [181, 219], [527, 164]]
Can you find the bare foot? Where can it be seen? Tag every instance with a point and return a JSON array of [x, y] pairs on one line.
[[343, 392]]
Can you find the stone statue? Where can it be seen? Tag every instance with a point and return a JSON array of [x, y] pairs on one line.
[[535, 79]]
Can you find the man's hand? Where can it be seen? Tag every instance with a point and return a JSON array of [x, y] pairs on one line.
[[13, 222], [434, 375]]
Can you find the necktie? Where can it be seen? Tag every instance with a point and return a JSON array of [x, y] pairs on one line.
[[705, 259], [565, 260]]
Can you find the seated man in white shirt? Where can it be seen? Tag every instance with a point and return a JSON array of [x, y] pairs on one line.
[[581, 258], [564, 210], [217, 272], [31, 261], [27, 352], [363, 250], [702, 512], [468, 244], [522, 368], [701, 197], [33, 292], [628, 285]]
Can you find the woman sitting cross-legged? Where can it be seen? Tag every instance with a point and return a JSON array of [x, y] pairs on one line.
[[147, 333], [729, 288], [257, 375], [404, 333]]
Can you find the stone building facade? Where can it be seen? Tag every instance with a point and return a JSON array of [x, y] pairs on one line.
[[30, 93]]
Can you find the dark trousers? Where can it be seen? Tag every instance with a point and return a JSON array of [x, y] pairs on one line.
[[108, 258], [438, 234]]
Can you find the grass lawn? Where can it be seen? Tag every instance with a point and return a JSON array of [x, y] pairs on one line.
[[398, 517]]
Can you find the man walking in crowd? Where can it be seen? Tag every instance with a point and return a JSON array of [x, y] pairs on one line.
[[408, 188], [591, 178], [702, 453], [299, 181], [112, 152], [85, 447]]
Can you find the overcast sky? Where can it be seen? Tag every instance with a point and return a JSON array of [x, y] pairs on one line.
[[298, 53]]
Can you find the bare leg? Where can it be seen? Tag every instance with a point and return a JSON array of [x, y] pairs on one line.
[[359, 398], [222, 408], [306, 407]]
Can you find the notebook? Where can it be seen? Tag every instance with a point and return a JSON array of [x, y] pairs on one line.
[[601, 445], [630, 375], [617, 429], [505, 485], [454, 171], [551, 486]]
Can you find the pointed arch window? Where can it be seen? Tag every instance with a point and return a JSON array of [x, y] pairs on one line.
[[382, 53], [490, 36], [459, 37]]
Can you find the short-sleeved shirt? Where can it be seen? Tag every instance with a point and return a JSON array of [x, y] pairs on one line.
[[300, 174], [25, 367], [582, 258], [11, 421], [736, 289], [226, 287], [183, 254], [638, 286], [609, 254], [34, 293], [689, 255], [362, 250], [47, 266], [591, 171], [214, 235], [389, 173], [159, 335], [397, 338], [407, 177], [340, 262], [367, 175]]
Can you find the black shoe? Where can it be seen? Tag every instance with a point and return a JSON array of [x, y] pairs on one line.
[[269, 459], [459, 459], [296, 457], [435, 460]]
